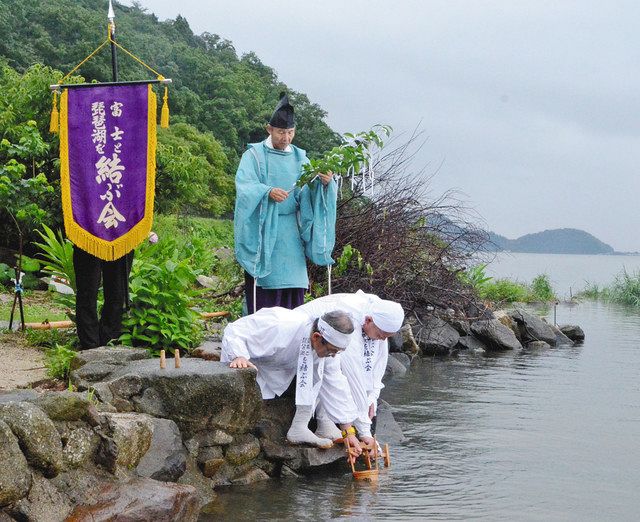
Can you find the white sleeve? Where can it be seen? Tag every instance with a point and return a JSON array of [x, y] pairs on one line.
[[363, 426], [379, 367], [351, 367], [335, 395], [258, 335]]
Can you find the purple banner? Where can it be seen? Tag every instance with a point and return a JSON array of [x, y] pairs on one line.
[[108, 154]]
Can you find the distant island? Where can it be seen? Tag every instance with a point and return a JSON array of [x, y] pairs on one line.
[[556, 241]]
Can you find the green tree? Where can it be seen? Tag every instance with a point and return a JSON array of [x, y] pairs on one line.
[[192, 173], [213, 89]]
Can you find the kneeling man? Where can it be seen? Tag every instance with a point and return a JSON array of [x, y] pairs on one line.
[[282, 344], [365, 359]]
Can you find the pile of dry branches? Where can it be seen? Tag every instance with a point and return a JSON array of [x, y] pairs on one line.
[[411, 246]]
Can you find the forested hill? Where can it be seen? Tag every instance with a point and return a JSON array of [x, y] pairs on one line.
[[557, 241], [213, 89]]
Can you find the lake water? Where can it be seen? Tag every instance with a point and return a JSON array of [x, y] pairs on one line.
[[526, 435], [568, 273]]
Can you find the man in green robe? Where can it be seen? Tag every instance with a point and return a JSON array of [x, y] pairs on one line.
[[276, 224]]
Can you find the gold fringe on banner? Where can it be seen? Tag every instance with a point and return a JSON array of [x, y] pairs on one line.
[[108, 250], [54, 123], [164, 114]]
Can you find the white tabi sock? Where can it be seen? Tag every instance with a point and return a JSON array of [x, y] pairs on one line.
[[299, 432], [326, 429]]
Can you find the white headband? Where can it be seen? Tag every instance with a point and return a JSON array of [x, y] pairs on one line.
[[331, 335], [387, 315]]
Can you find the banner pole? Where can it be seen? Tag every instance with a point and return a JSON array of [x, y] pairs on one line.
[[112, 38]]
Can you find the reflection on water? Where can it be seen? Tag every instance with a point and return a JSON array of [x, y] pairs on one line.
[[530, 435]]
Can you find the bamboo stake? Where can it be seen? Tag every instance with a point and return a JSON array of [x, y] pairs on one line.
[[177, 358], [211, 315], [163, 360], [48, 325]]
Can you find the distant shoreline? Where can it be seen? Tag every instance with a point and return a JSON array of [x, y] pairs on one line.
[[555, 241], [628, 254]]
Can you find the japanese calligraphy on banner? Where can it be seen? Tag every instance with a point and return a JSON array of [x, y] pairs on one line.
[[107, 166]]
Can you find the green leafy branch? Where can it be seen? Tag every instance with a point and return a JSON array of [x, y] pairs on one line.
[[352, 155]]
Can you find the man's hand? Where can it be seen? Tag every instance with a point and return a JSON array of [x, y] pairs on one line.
[[278, 195], [372, 411], [241, 362], [326, 178], [370, 441], [354, 443]]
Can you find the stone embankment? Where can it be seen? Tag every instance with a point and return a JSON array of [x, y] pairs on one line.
[[164, 437], [153, 444], [444, 333]]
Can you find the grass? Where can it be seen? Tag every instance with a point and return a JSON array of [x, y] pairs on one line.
[[38, 306], [506, 290], [625, 289]]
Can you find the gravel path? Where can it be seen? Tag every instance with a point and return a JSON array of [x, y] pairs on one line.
[[21, 365]]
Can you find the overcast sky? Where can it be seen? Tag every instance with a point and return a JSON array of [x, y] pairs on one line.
[[532, 105]]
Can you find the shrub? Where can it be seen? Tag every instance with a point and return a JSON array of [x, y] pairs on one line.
[[541, 289], [58, 361], [625, 289], [6, 274], [475, 276], [594, 291], [57, 252], [161, 292], [503, 290]]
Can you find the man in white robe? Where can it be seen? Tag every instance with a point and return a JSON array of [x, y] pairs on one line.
[[282, 344], [365, 359]]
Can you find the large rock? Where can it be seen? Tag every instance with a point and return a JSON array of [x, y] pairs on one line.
[[26, 395], [387, 429], [250, 477], [461, 325], [208, 350], [98, 364], [403, 341], [202, 484], [44, 503], [126, 437], [64, 406], [471, 343], [403, 358], [80, 445], [199, 396], [36, 434], [435, 336], [561, 338], [244, 448], [395, 367], [573, 332], [532, 328], [495, 335], [272, 428], [214, 438], [307, 458], [166, 459], [395, 342], [537, 345], [504, 317], [114, 355], [15, 476], [210, 460], [140, 500]]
